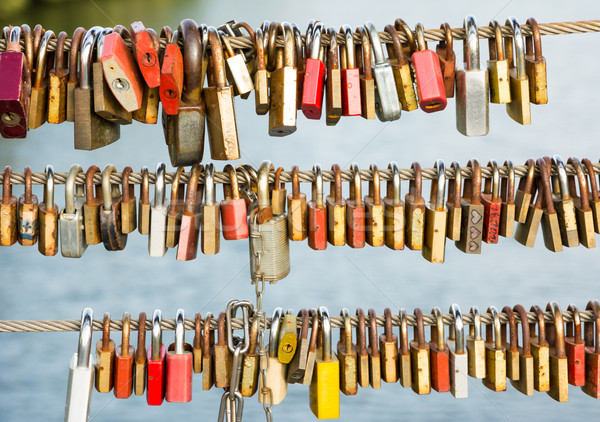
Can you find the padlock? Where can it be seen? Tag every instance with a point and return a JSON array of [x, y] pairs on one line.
[[439, 355], [145, 54], [283, 88], [350, 75], [472, 87], [511, 347], [592, 351], [148, 111], [220, 112], [250, 367], [374, 353], [362, 353], [523, 196], [471, 232], [526, 373], [387, 104], [518, 108], [492, 205], [346, 354], [48, 217], [458, 359], [415, 211], [498, 67], [28, 214], [197, 344], [476, 346], [575, 349], [336, 210], [208, 342], [278, 194], [72, 234], [404, 360], [110, 214], [261, 77], [436, 218], [419, 357], [140, 357], [237, 72], [38, 103], [374, 211], [124, 355], [447, 57], [559, 363], [233, 208], [16, 87], [91, 207], [171, 73], [367, 83], [311, 356], [565, 205], [535, 65], [584, 215], [495, 354], [324, 392], [105, 357], [355, 211], [210, 238], [234, 29], [595, 195], [81, 373], [158, 215], [297, 366], [540, 350], [187, 248], [128, 203], [411, 44], [314, 77], [507, 195], [73, 82], [296, 205], [402, 72], [91, 131], [272, 386], [428, 76], [184, 131], [550, 222], [526, 232], [178, 381], [156, 368], [317, 213], [453, 205], [388, 347], [175, 209], [333, 84], [393, 211], [144, 203], [288, 338]]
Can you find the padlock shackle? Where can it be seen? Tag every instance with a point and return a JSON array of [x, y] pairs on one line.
[[14, 39], [264, 200], [159, 185], [28, 185], [274, 332], [346, 330], [335, 186], [419, 328], [289, 50], [438, 187], [303, 313], [210, 195], [314, 332], [87, 48], [507, 186], [545, 164], [475, 329], [376, 45], [299, 48], [583, 187], [393, 185], [295, 182], [493, 331], [191, 194], [192, 58], [229, 53], [156, 343], [49, 188], [403, 331], [361, 333], [179, 332], [375, 185], [448, 42], [100, 42], [591, 179], [271, 47], [367, 56], [317, 186], [541, 323], [420, 37], [525, 336], [415, 185], [217, 58], [233, 181], [175, 185], [326, 333], [373, 333], [455, 185], [105, 332], [125, 332], [145, 186], [41, 58], [207, 335], [140, 354], [85, 338], [76, 41], [534, 41], [437, 332], [519, 52], [348, 47], [355, 185], [260, 49], [562, 177], [387, 325], [472, 189], [69, 188], [574, 328], [89, 184], [315, 40], [496, 44], [592, 329], [396, 44], [333, 61], [458, 329], [513, 331], [197, 343], [492, 184], [107, 187], [400, 25], [471, 43], [126, 187], [559, 330]]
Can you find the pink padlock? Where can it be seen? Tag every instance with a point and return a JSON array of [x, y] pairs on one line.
[[179, 365], [429, 78]]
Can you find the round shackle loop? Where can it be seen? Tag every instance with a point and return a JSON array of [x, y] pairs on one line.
[[159, 185], [317, 186], [274, 332], [471, 43], [85, 338], [438, 187], [459, 329], [106, 186], [156, 334], [49, 188], [70, 188], [519, 46]]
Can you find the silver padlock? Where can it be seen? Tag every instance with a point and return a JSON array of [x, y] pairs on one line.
[[459, 362], [81, 373], [387, 104], [472, 87], [72, 234], [157, 245]]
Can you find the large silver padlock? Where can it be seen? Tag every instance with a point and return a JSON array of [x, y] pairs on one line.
[[157, 245], [472, 87], [81, 373], [459, 361], [387, 104], [72, 232], [269, 244]]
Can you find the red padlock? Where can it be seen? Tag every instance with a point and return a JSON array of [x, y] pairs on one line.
[[155, 383], [171, 73], [314, 77], [575, 349], [355, 212], [187, 248], [145, 54], [15, 88], [351, 105], [233, 209], [430, 82], [317, 213], [179, 365], [492, 203], [439, 357], [592, 352], [124, 355]]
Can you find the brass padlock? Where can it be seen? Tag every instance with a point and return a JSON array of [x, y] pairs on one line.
[[447, 57], [388, 346], [140, 357], [73, 82], [261, 77], [374, 211], [91, 207], [175, 209], [476, 346], [564, 204], [238, 74], [512, 352], [550, 222], [283, 86], [110, 213], [415, 211], [559, 376], [296, 205], [197, 344], [346, 353], [336, 210], [210, 237], [518, 108], [105, 357], [333, 84], [495, 355], [454, 203], [595, 195], [144, 203], [367, 83], [540, 351], [535, 65], [48, 217], [8, 211], [250, 368], [583, 212], [362, 353], [373, 350], [394, 211], [526, 374], [419, 353], [311, 357], [208, 342], [278, 194], [38, 105], [57, 90], [128, 203], [498, 68], [436, 216], [28, 214], [472, 212], [524, 196], [222, 356], [404, 364]]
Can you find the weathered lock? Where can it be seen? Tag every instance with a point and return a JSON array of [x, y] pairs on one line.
[[110, 214], [524, 384], [171, 73], [105, 359], [311, 356], [48, 217], [57, 89], [184, 131], [296, 205], [428, 76], [155, 371], [367, 83], [91, 207], [250, 368], [233, 208], [595, 195], [447, 57], [237, 71], [388, 347], [144, 203], [472, 87], [301, 53], [526, 232], [314, 76], [393, 211], [297, 367], [28, 214], [507, 196], [187, 247], [439, 355], [272, 386], [175, 209], [179, 362], [81, 373], [498, 67], [584, 215], [197, 344], [350, 75], [575, 349], [411, 44], [373, 351], [492, 205], [346, 354], [73, 82], [128, 203], [565, 204], [523, 196], [535, 65], [38, 103], [148, 111], [374, 210], [362, 353], [317, 213], [210, 215], [278, 193], [592, 351], [333, 84], [283, 88], [495, 354], [91, 131], [324, 392], [453, 205], [124, 355], [402, 72], [261, 77], [436, 218], [208, 342], [387, 104], [336, 210], [415, 211], [404, 359], [518, 108], [458, 359], [551, 227], [472, 212], [145, 53], [355, 211], [140, 357], [476, 346], [288, 338], [72, 233], [419, 357], [16, 87], [158, 215], [540, 351], [559, 363], [511, 347]]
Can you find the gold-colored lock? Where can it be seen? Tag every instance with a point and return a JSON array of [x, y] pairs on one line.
[[507, 194], [374, 211], [518, 108], [453, 204], [495, 355], [8, 211], [535, 65], [415, 211], [144, 203], [512, 351], [288, 338], [73, 81], [208, 344], [28, 214], [278, 194], [394, 211], [367, 83], [526, 374], [222, 356], [559, 375], [583, 212], [346, 353], [476, 346], [128, 203], [197, 345], [105, 358], [91, 207], [296, 205], [402, 72], [362, 353], [373, 350], [498, 67], [250, 368], [524, 196], [436, 217], [388, 346], [38, 106], [595, 195], [261, 77], [526, 232], [551, 227], [405, 56], [564, 204], [333, 85], [336, 210], [283, 85], [48, 218], [404, 364], [57, 91], [419, 353], [540, 351]]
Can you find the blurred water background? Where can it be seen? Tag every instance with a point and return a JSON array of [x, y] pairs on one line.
[[34, 370]]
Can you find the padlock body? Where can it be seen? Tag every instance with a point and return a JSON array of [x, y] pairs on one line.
[[551, 232], [525, 382], [158, 225], [405, 86], [585, 227], [91, 131], [171, 79], [184, 134], [110, 228], [155, 383], [414, 222], [355, 224], [124, 373], [57, 98], [567, 220], [148, 112], [592, 373], [128, 215], [297, 222], [491, 219], [519, 109], [472, 102], [275, 381], [222, 127], [348, 370], [187, 248], [536, 73], [447, 67], [454, 219], [367, 98], [495, 362], [106, 104], [48, 237], [499, 81], [317, 226], [91, 216], [404, 370], [507, 220], [282, 108], [312, 92], [178, 386], [324, 391], [13, 100], [522, 201], [526, 232], [144, 218], [28, 221], [249, 383], [440, 368], [387, 104], [351, 102], [238, 75], [72, 238], [333, 97], [210, 238], [79, 390], [459, 373], [476, 357], [420, 368], [472, 228], [434, 245], [388, 351], [374, 222], [576, 361], [430, 84], [261, 92], [233, 219], [559, 385], [394, 224], [105, 367], [272, 240], [541, 367], [38, 106], [336, 222], [140, 378]]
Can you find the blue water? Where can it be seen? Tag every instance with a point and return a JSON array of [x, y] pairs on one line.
[[34, 368]]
